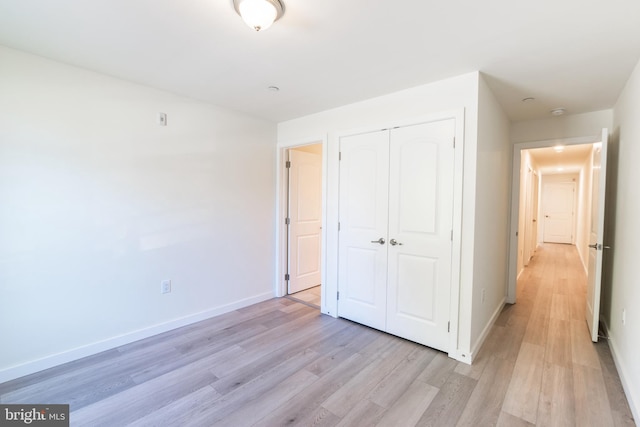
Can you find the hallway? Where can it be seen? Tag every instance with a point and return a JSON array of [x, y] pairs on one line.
[[559, 377]]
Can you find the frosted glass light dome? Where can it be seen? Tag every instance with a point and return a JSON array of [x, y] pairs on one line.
[[259, 14]]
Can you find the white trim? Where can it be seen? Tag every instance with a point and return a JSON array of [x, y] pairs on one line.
[[468, 358], [280, 285], [515, 200], [456, 252], [33, 366]]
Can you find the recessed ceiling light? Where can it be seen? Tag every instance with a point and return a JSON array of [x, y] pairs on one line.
[[559, 148], [528, 99], [558, 111], [273, 88]]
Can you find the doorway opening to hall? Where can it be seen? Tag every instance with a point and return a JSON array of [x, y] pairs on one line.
[[304, 224], [557, 225]]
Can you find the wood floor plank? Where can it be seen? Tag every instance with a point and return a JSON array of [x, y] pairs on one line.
[[524, 389], [485, 403], [558, 348], [253, 410], [438, 370], [129, 405], [253, 390], [447, 406], [299, 409], [592, 401], [583, 351], [556, 405], [178, 411], [408, 409], [508, 420], [355, 390], [394, 385], [364, 413], [560, 307]]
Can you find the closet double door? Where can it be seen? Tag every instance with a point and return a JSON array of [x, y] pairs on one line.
[[396, 210]]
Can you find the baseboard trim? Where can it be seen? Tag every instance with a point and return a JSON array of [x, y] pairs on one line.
[[47, 362], [483, 336], [632, 396]]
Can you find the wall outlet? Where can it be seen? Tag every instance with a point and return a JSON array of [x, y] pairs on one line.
[[165, 286], [483, 295], [624, 316]]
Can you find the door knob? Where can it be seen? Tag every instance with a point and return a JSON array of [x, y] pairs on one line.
[[596, 246], [380, 240], [394, 242]]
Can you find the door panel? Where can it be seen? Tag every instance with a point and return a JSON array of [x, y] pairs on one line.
[[596, 234], [420, 220], [362, 276], [305, 212], [559, 201]]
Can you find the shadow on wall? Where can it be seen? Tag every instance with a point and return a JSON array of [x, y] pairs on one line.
[[609, 226]]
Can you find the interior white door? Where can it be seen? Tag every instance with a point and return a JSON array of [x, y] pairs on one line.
[[528, 218], [305, 214], [420, 225], [363, 199], [596, 234], [558, 199]]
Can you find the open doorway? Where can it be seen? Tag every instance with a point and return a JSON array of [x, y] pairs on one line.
[[567, 174], [301, 239]]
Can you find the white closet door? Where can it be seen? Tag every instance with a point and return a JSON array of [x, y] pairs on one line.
[[362, 270], [420, 221]]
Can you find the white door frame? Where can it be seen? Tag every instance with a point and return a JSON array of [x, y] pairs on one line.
[[515, 200], [281, 213]]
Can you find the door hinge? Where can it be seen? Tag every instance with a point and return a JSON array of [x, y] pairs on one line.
[[448, 326], [452, 235], [338, 225], [287, 277], [287, 221], [339, 155], [454, 142], [338, 295], [287, 164]]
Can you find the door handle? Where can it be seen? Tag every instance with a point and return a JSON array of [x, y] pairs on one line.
[[380, 241], [394, 242], [596, 246]]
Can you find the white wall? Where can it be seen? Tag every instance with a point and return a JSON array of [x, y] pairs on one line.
[[568, 126], [492, 183], [625, 289], [99, 204]]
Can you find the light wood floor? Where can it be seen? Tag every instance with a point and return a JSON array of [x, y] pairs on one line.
[[311, 296], [282, 363]]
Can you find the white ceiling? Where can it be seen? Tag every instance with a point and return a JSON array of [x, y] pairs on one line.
[[570, 160], [575, 54]]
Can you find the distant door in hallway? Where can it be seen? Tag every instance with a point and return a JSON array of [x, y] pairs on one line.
[[558, 201], [305, 213], [596, 234]]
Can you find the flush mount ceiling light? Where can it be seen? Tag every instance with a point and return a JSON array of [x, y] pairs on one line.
[[259, 14], [559, 148]]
